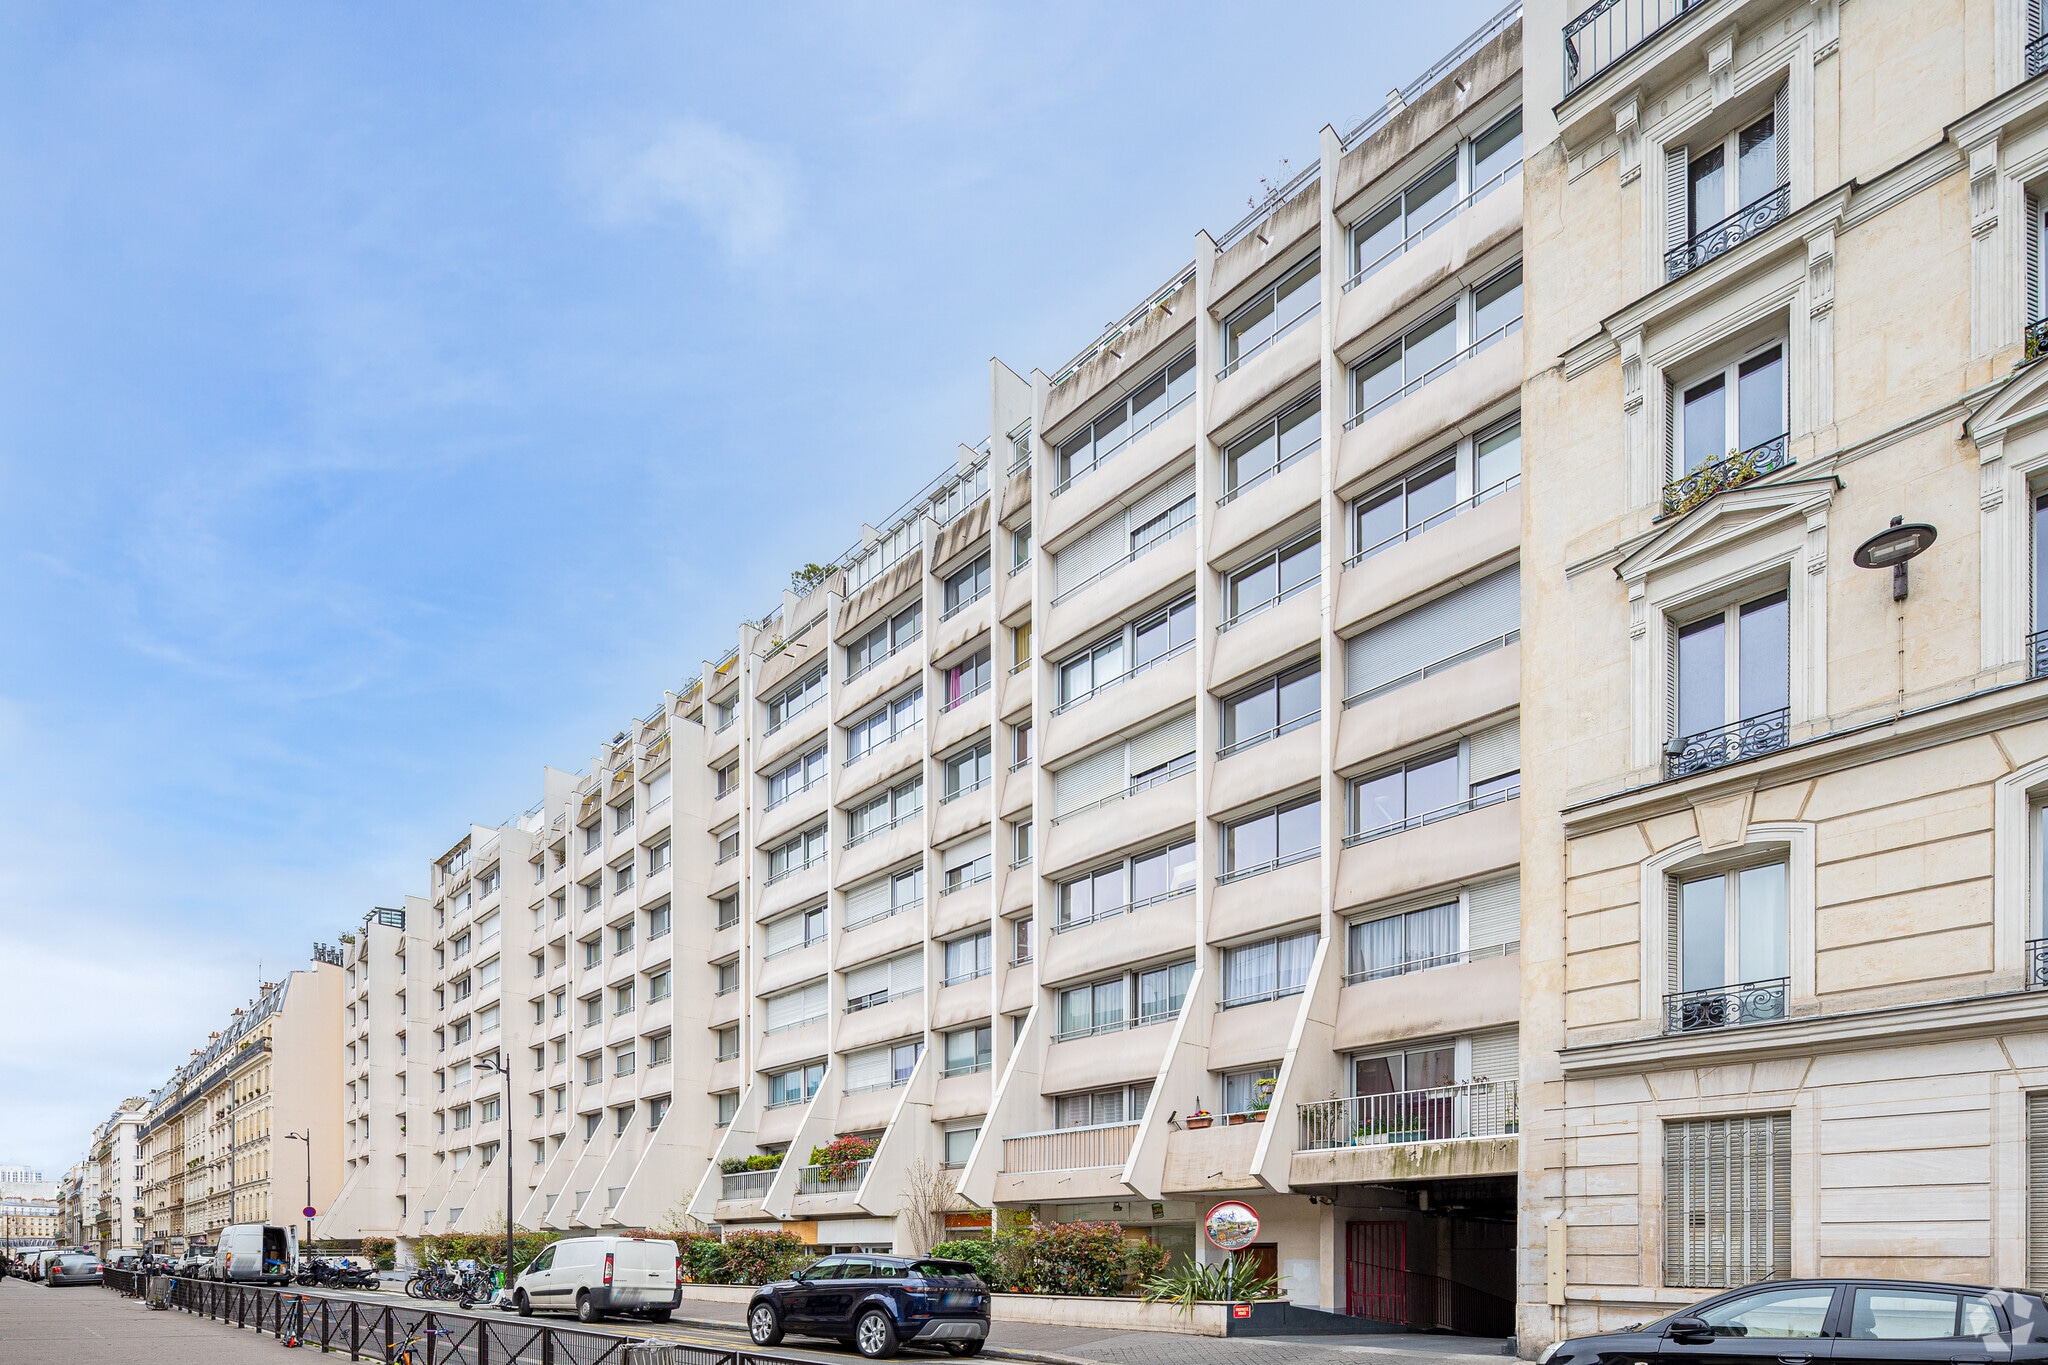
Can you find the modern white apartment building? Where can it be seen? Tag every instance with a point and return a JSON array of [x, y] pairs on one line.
[[118, 1219]]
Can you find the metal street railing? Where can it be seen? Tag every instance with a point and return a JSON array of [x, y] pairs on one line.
[[1478, 1108]]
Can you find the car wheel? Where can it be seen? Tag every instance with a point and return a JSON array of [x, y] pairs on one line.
[[764, 1325], [658, 1315], [875, 1336], [586, 1310], [963, 1348], [521, 1302]]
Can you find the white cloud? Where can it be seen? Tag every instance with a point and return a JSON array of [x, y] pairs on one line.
[[741, 192]]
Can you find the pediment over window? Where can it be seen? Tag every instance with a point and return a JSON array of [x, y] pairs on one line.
[[2020, 402], [1728, 519]]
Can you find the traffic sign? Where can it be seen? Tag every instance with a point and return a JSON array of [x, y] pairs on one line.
[[309, 1211]]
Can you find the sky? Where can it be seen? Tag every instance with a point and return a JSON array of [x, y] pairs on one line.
[[396, 398]]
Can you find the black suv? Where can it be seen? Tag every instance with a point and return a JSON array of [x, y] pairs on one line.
[[877, 1303], [1851, 1321]]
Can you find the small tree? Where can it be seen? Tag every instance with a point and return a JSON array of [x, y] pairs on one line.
[[805, 581], [930, 1192]]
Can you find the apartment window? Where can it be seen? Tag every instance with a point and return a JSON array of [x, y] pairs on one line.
[[1407, 795], [1276, 706], [969, 771], [461, 989], [1119, 538], [1723, 194], [960, 1145], [1091, 1009], [658, 922], [561, 1003], [1728, 935], [1434, 637], [622, 1119], [622, 938], [1120, 1104], [1132, 649], [1020, 736], [884, 640], [560, 902], [884, 897], [967, 864], [1267, 971], [796, 1085], [624, 1062], [1127, 885], [1020, 940], [1294, 299], [795, 931], [622, 816], [591, 1123], [1242, 1090], [487, 1018], [593, 1010], [1020, 547], [1272, 839], [561, 1094], [1162, 991], [1410, 941], [725, 781], [725, 1044], [1735, 662], [723, 713], [593, 951], [461, 946], [1020, 843], [883, 724], [593, 1068], [488, 882], [728, 1107], [1728, 1220], [1020, 646], [1734, 410], [968, 679], [968, 585], [968, 959], [657, 985], [799, 697], [1459, 330], [659, 1049], [1271, 578], [593, 893], [1455, 480], [726, 912], [459, 1117], [1161, 393], [728, 978], [1272, 446], [657, 1110], [593, 837], [798, 775], [1434, 198], [886, 810], [659, 788]]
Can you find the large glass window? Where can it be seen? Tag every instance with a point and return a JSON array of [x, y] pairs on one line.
[[884, 640], [969, 1050], [968, 678], [884, 723], [1244, 1089], [970, 958], [969, 771], [885, 810], [1436, 196], [798, 697], [1732, 929], [798, 775], [1408, 942], [1272, 578], [967, 585], [1273, 445], [796, 854], [1123, 1104], [1269, 970], [1273, 314], [795, 1086], [1712, 194], [1739, 408], [1452, 481], [1273, 838], [1732, 668], [1116, 426], [1271, 708], [1094, 1008], [1162, 991], [1129, 884], [1428, 350], [1407, 794], [1142, 643]]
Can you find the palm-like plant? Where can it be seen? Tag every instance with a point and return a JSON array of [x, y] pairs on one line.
[[1229, 1280]]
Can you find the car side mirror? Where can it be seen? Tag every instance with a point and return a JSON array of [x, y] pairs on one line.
[[1689, 1329], [802, 1277]]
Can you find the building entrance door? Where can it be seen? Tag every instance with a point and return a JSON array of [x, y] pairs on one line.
[[1376, 1271]]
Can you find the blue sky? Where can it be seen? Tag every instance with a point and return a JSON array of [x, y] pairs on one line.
[[387, 394]]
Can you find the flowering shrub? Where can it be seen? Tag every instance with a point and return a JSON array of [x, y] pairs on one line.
[[759, 1161], [1061, 1258], [840, 1158], [758, 1257]]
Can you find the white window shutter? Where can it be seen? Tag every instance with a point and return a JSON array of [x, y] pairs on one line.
[[959, 855], [1434, 632], [1676, 160], [906, 974], [1497, 750], [2033, 309], [1496, 1055], [1091, 554], [785, 933], [1092, 779], [660, 786], [869, 898], [1781, 131], [1493, 914], [795, 1007], [866, 979], [1162, 744], [867, 1069], [1167, 496]]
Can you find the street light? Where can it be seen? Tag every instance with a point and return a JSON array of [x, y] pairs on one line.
[[1892, 547], [307, 1138], [494, 1064]]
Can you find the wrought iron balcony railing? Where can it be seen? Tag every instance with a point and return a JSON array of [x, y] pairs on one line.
[[1475, 1108], [2037, 654], [1683, 494], [1746, 1002], [1731, 232], [1717, 748], [2037, 56], [2036, 339], [2037, 963], [1603, 33]]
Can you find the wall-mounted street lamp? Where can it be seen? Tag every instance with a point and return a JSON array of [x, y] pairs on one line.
[[1892, 547]]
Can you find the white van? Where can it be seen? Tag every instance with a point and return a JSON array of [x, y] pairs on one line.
[[593, 1276], [257, 1253]]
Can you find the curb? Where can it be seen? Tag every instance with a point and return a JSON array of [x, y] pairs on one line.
[[995, 1352]]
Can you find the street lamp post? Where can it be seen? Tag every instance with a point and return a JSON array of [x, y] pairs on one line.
[[487, 1066], [307, 1138]]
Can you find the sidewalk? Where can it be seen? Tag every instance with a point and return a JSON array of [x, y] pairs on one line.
[[87, 1326], [1096, 1346]]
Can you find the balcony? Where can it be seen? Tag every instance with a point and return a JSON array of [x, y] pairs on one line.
[[1752, 737], [1681, 495], [1069, 1149], [1600, 36], [2037, 56], [1723, 237], [1436, 372], [2037, 963], [2036, 339], [1472, 1109], [1478, 801], [1360, 975], [812, 1180], [742, 1185], [1747, 1002]]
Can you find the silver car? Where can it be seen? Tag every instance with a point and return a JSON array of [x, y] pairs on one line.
[[74, 1267]]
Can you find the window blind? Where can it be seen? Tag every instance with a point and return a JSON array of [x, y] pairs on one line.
[[1433, 632], [1095, 551], [1676, 159], [962, 854], [1093, 778], [1727, 1201], [1496, 1055], [659, 787], [1165, 498], [2037, 1189], [1494, 913], [866, 900], [899, 975], [799, 1006], [867, 1069], [1497, 750], [785, 933], [1162, 744]]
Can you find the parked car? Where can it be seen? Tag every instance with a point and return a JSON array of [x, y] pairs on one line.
[[593, 1276], [1849, 1321], [877, 1303], [73, 1267], [255, 1253]]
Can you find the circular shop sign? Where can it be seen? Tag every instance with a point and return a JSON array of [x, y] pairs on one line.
[[1232, 1225]]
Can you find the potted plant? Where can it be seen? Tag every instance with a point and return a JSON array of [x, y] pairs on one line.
[[1262, 1098], [1198, 1117], [1234, 1119]]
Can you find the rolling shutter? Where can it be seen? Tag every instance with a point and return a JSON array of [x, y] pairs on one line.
[[1497, 751], [1494, 913], [1168, 497], [1676, 159], [866, 979], [867, 900], [2033, 19], [867, 1069], [1433, 633], [1092, 779], [1727, 1201], [1497, 1055], [785, 933], [2037, 1190], [659, 787], [799, 1006], [1090, 555], [959, 855], [1161, 744], [906, 974]]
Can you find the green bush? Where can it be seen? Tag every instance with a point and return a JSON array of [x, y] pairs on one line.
[[1073, 1258], [382, 1251], [704, 1260], [487, 1249], [733, 1165], [758, 1257], [979, 1254]]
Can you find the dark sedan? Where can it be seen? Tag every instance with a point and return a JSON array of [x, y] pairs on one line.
[[878, 1303], [73, 1268], [1853, 1321]]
